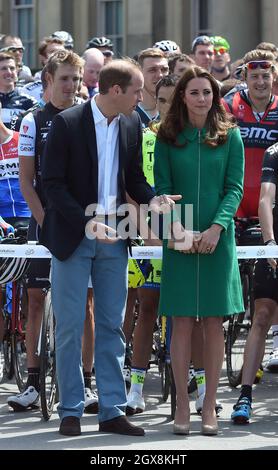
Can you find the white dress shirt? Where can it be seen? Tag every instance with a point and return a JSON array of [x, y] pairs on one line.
[[107, 137]]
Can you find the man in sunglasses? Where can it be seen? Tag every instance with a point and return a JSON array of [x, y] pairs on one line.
[[220, 66], [256, 110], [13, 44]]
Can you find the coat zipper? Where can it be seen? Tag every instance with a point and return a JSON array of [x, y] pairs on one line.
[[198, 222]]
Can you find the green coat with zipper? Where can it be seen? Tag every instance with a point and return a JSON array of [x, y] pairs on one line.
[[211, 179]]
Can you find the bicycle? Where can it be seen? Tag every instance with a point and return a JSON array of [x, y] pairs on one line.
[[14, 310], [248, 232], [46, 352]]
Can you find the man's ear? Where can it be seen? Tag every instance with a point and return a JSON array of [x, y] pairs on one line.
[[116, 89]]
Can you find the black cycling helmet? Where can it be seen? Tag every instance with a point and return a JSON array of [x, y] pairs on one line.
[[64, 36], [99, 42]]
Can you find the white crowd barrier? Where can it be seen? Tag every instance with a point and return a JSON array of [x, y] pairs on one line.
[[32, 250]]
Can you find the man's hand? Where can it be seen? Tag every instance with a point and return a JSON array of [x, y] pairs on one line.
[[163, 204], [271, 261], [7, 229], [100, 231]]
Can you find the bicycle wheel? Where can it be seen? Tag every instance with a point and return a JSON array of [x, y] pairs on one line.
[[20, 303], [173, 395], [47, 360], [7, 348], [165, 379], [238, 330]]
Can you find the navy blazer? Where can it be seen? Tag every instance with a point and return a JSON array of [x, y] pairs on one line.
[[70, 175]]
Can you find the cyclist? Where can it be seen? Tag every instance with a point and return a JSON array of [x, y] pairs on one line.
[[12, 204], [104, 45], [13, 102], [154, 66], [265, 286], [63, 74]]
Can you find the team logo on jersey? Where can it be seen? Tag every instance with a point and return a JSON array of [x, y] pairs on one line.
[[149, 143], [25, 129]]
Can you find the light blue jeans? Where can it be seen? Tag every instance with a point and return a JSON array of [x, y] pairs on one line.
[[107, 264]]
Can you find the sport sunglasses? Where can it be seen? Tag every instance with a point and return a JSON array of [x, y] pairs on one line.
[[220, 50], [255, 64]]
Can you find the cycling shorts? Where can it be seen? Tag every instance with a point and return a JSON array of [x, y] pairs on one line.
[[265, 284], [39, 268]]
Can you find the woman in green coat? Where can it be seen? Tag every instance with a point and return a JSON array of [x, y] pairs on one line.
[[199, 154]]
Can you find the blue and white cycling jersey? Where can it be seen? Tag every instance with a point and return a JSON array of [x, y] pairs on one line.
[[12, 203]]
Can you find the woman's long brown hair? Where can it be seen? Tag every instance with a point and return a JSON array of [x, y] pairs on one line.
[[218, 120]]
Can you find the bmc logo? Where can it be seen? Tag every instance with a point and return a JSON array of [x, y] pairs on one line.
[[258, 133]]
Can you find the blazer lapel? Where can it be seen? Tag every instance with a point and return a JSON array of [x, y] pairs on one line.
[[90, 136], [122, 142]]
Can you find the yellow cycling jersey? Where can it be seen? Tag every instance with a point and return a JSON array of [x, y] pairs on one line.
[[148, 144]]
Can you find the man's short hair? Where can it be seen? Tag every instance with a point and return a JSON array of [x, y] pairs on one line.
[[46, 41], [63, 57], [117, 72], [258, 54], [151, 52], [166, 81], [6, 56], [174, 58]]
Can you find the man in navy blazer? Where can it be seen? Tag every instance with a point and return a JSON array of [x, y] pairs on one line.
[[93, 156]]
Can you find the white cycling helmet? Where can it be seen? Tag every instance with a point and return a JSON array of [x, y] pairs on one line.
[[167, 46]]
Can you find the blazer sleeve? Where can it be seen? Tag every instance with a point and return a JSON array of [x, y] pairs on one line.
[[136, 183], [54, 174], [233, 184]]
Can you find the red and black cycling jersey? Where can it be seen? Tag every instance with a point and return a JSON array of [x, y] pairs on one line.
[[270, 175], [258, 133]]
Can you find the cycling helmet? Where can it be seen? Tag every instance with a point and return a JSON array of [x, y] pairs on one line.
[[64, 36], [99, 42], [167, 46], [12, 269]]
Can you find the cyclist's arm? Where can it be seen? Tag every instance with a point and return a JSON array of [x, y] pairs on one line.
[[267, 196], [26, 151], [268, 192]]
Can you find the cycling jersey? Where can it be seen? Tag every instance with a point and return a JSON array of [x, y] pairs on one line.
[[13, 104], [34, 89], [145, 118], [152, 275], [12, 203], [33, 132], [258, 133]]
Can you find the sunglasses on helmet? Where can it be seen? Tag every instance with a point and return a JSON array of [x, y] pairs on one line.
[[255, 64]]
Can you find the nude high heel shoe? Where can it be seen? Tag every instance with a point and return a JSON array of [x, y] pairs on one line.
[[181, 429], [209, 429]]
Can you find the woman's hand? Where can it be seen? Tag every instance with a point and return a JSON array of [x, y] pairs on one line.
[[210, 239]]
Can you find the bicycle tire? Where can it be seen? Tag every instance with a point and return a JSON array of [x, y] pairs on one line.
[[173, 394], [238, 330], [18, 337], [165, 377], [48, 384], [7, 349]]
